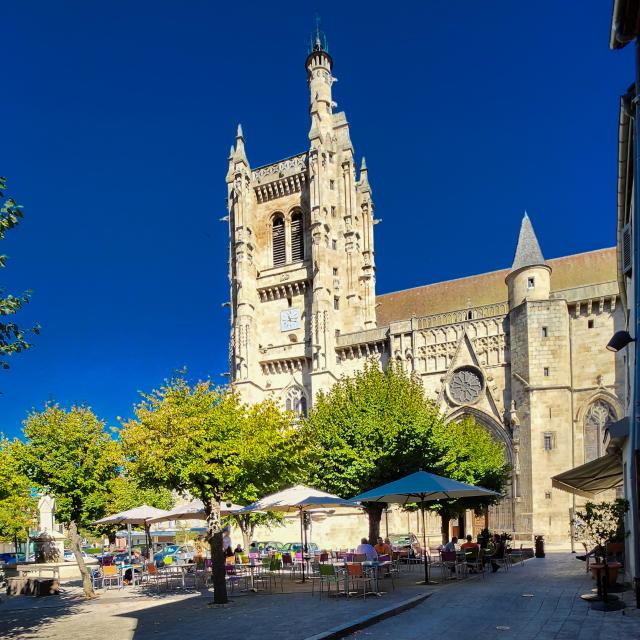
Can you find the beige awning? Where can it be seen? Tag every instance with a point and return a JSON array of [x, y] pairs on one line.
[[593, 477]]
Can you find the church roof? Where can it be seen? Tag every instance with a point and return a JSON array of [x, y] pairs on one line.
[[528, 251], [593, 267]]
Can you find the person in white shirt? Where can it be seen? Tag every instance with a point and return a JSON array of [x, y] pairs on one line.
[[366, 548]]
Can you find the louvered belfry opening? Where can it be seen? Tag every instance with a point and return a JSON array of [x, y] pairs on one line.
[[297, 237], [279, 252]]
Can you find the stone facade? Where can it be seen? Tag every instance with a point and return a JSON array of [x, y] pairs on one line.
[[521, 350]]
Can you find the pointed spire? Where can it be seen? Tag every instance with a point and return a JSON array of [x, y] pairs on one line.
[[240, 155], [232, 152], [363, 184], [528, 251]]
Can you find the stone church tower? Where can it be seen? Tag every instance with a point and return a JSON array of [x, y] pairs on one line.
[[301, 255], [521, 350]]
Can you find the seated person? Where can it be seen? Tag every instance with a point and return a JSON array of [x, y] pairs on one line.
[[238, 549], [365, 548], [470, 544], [253, 548], [452, 545], [498, 552], [382, 548]]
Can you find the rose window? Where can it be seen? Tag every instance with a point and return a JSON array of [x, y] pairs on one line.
[[465, 386]]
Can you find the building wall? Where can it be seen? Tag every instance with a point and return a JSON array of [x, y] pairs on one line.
[[527, 366]]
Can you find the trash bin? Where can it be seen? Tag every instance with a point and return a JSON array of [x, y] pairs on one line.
[[539, 546]]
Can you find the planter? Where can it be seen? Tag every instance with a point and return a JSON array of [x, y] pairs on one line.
[[612, 571]]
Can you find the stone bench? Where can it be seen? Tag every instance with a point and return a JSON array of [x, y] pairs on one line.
[[25, 585]]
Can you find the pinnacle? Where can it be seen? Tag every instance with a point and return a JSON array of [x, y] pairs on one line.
[[528, 251], [239, 133], [363, 166]]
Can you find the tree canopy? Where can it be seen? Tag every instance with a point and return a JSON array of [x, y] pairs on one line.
[[18, 507], [13, 339], [377, 426], [69, 454], [369, 429], [202, 440]]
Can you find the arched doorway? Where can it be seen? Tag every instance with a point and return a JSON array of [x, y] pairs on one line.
[[501, 516]]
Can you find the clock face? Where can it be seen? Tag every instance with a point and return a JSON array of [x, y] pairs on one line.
[[289, 319]]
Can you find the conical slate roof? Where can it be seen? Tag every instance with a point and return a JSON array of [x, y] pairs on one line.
[[528, 251]]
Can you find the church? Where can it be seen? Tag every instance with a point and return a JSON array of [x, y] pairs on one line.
[[522, 349]]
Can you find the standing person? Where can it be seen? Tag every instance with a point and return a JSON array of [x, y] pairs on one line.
[[365, 548]]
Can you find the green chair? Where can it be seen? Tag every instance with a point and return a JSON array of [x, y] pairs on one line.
[[328, 576]]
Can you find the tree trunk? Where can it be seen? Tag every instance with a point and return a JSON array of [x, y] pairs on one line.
[[76, 540], [446, 518], [374, 511], [15, 544], [214, 536]]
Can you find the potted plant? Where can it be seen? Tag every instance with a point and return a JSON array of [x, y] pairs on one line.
[[601, 523]]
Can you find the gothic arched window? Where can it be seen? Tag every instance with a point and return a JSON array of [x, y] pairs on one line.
[[598, 417], [296, 401], [297, 237], [278, 239]]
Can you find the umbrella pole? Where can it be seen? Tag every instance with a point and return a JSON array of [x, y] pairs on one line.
[[303, 537], [424, 545], [129, 540]]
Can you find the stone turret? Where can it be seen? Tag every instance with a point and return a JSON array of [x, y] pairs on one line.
[[530, 276]]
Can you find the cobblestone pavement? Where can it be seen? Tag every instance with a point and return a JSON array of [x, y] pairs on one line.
[[469, 609], [539, 600]]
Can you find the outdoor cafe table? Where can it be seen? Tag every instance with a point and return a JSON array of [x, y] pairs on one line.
[[179, 567], [251, 566]]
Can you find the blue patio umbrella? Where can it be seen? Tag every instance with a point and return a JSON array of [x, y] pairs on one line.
[[423, 487]]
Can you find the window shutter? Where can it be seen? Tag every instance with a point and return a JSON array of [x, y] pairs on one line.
[[297, 238], [279, 255], [627, 256]]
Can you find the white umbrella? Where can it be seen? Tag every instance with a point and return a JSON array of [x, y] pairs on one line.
[[299, 499], [194, 510], [137, 515]]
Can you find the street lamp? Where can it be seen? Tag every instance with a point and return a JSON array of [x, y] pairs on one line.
[[619, 340]]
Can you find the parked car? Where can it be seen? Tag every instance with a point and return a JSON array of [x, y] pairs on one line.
[[296, 547], [183, 553], [406, 544], [69, 556], [271, 545], [169, 550]]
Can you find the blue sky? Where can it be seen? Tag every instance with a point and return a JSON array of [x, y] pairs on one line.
[[117, 120]]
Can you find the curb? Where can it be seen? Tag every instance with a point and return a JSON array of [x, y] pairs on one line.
[[366, 621]]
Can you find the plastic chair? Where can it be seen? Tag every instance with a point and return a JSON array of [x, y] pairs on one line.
[[328, 575], [111, 574], [358, 576]]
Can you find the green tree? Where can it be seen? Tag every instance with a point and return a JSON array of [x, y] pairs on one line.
[[270, 468], [18, 507], [70, 455], [202, 440], [465, 451], [13, 339], [369, 429]]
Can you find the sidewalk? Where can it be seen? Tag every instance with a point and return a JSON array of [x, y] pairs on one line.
[[537, 601], [470, 609]]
